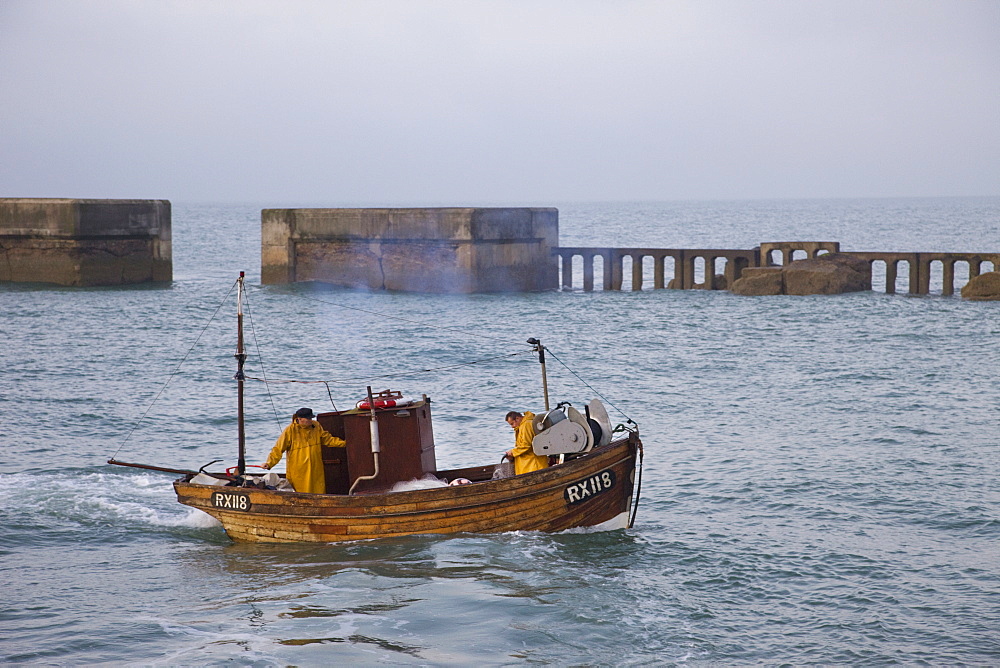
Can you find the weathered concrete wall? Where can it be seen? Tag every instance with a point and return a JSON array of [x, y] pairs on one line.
[[84, 242], [415, 250]]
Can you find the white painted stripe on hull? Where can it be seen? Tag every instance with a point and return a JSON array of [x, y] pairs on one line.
[[619, 521]]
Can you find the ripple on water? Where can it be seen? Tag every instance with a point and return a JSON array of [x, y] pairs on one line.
[[819, 485]]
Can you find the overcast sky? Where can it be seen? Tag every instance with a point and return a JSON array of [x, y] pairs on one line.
[[465, 102]]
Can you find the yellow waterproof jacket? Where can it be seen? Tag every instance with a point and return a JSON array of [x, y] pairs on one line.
[[525, 459], [304, 467]]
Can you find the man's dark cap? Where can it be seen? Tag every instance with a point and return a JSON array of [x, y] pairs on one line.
[[304, 412]]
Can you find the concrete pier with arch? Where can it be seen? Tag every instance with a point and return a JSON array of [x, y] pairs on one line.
[[681, 268]]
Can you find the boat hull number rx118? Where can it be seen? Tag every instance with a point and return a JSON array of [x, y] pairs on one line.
[[231, 501], [592, 486]]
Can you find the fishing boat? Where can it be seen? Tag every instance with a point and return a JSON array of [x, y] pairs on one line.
[[593, 479]]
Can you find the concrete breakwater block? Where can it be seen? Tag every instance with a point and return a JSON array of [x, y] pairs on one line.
[[85, 242], [439, 250]]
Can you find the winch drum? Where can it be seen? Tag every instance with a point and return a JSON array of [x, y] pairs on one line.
[[562, 432]]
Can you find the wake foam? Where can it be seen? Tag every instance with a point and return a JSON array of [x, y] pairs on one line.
[[98, 498]]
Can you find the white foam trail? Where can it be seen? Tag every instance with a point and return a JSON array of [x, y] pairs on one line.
[[107, 498]]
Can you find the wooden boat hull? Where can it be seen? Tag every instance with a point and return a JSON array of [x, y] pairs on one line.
[[595, 489]]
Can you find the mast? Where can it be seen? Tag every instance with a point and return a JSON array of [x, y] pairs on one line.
[[540, 349], [241, 359]]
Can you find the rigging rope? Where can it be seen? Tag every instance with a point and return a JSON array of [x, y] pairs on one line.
[[438, 326], [603, 398], [412, 322], [433, 326], [260, 359], [327, 383], [175, 371], [403, 374]]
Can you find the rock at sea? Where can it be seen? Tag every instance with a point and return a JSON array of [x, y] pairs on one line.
[[985, 287], [829, 274], [758, 281]]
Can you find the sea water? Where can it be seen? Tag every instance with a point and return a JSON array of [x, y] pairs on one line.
[[821, 481]]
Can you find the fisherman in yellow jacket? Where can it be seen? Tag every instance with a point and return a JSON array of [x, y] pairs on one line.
[[525, 459], [302, 440]]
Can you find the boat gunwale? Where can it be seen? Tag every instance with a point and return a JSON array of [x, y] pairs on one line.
[[456, 497], [482, 500]]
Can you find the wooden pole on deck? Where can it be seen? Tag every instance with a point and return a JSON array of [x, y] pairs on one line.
[[241, 359]]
